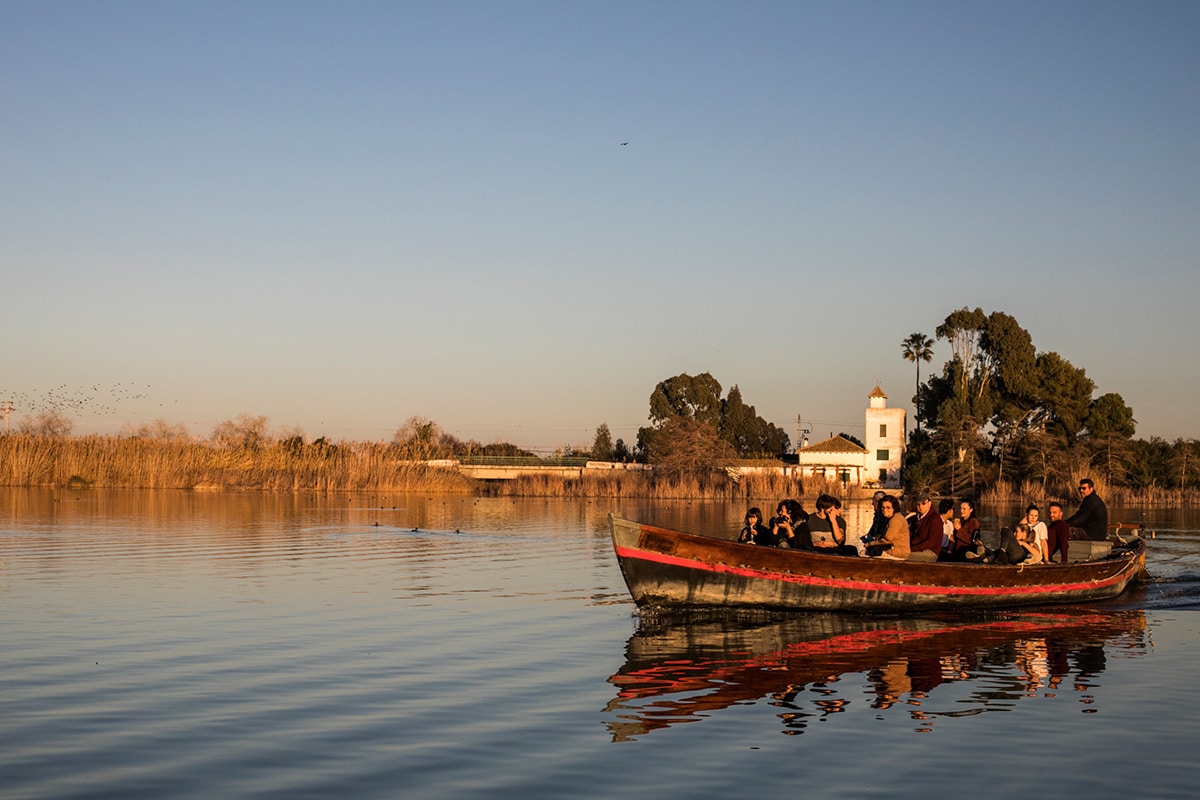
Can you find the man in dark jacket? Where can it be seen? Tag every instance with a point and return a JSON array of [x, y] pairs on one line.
[[1092, 515]]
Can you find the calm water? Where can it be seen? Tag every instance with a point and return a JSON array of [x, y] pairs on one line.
[[179, 644]]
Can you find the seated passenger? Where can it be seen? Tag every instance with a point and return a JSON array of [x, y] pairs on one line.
[[754, 532], [1092, 515], [879, 522], [946, 512], [1058, 532], [968, 543], [894, 542], [1028, 537], [788, 515], [781, 526], [926, 538], [1041, 534], [827, 529], [1010, 550]]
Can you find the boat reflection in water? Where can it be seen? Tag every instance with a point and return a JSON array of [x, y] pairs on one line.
[[681, 671]]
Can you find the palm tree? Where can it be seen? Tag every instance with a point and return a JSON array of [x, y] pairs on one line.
[[917, 348]]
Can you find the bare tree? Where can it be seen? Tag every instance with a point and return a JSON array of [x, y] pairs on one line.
[[244, 433], [51, 422], [418, 438], [686, 445], [159, 430]]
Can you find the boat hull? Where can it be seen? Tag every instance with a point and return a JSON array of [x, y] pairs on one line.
[[675, 570]]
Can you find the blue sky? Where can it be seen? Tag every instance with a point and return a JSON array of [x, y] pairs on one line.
[[339, 216]]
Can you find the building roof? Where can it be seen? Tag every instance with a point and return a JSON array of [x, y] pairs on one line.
[[838, 444], [878, 393]]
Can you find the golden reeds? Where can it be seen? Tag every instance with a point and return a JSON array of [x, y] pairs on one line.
[[1005, 493], [290, 465], [136, 463]]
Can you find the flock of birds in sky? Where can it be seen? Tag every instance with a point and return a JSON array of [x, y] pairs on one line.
[[94, 401]]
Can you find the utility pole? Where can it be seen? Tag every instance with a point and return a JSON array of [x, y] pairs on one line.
[[802, 432], [6, 409]]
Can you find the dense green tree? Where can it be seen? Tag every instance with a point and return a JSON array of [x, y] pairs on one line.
[[698, 398], [602, 445], [1051, 399], [1108, 415], [737, 421], [999, 406], [1063, 396], [748, 433], [1008, 355], [920, 462]]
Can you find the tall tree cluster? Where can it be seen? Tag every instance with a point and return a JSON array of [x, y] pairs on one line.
[[1002, 411], [693, 427]]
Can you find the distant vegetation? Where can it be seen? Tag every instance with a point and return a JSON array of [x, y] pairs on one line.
[[276, 465], [1001, 421], [693, 428], [1006, 420]]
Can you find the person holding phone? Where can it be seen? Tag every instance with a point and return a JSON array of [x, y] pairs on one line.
[[826, 527]]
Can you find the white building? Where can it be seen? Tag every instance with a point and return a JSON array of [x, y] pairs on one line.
[[885, 441], [877, 464]]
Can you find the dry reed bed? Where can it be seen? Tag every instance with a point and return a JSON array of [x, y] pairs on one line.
[[1005, 493], [141, 463], [110, 462]]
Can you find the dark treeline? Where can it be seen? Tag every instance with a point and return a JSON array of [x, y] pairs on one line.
[[1004, 417]]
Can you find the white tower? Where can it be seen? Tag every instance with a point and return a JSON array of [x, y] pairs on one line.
[[884, 441]]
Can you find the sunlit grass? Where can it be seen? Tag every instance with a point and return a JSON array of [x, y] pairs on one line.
[[138, 463], [292, 465]]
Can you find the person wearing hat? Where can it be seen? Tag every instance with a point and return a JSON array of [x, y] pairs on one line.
[[927, 538]]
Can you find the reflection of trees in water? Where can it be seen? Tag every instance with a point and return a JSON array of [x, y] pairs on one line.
[[925, 669]]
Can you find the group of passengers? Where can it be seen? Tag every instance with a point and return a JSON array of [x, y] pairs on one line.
[[823, 530], [921, 535], [926, 534]]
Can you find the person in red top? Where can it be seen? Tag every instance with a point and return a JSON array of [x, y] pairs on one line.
[[1058, 533], [927, 538], [966, 533]]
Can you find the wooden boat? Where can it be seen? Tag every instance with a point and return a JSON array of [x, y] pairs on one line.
[[668, 569]]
